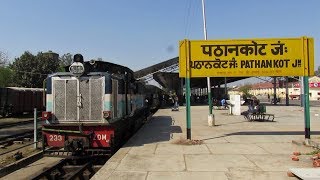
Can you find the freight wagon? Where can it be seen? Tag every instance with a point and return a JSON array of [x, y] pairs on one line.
[[16, 101]]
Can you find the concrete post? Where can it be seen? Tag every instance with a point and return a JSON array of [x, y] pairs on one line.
[[35, 129]]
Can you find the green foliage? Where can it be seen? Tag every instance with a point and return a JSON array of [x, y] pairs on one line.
[[6, 75], [313, 152], [30, 70], [245, 90], [66, 59], [3, 59], [317, 72]]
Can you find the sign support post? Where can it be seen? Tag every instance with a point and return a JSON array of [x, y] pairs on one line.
[[306, 107], [287, 91], [188, 108], [274, 90], [308, 51], [188, 75]]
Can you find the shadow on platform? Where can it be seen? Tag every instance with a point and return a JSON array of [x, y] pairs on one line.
[[157, 129], [257, 133]]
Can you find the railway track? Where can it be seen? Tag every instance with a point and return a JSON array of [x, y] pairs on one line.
[[8, 140], [9, 134], [6, 125], [72, 168]]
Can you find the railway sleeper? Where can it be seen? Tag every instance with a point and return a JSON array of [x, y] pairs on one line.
[[82, 168], [18, 142], [68, 154], [79, 172], [51, 173]]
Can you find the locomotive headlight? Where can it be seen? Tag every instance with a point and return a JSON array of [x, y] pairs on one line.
[[76, 68], [46, 116]]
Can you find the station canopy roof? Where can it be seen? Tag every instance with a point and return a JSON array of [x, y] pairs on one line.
[[170, 80], [166, 74], [156, 68]]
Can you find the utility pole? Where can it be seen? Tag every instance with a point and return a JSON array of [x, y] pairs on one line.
[[211, 120]]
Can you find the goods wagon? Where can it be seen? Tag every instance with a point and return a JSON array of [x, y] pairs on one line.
[[16, 101]]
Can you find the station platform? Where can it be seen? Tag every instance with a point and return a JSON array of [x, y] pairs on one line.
[[233, 149]]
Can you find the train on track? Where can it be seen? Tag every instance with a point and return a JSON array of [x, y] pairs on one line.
[[16, 101], [93, 108]]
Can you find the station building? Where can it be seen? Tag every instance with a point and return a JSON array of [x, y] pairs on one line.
[[294, 89]]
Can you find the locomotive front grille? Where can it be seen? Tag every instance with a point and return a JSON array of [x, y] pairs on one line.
[[71, 105], [85, 100], [96, 96], [60, 100]]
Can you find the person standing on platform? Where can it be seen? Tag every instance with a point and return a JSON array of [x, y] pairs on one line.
[[175, 103], [223, 103]]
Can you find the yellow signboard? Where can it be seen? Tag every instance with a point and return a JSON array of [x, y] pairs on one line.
[[251, 57]]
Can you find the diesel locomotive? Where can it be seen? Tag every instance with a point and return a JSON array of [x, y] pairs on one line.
[[92, 108]]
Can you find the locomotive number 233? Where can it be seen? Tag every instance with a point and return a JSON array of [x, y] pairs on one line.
[[55, 138]]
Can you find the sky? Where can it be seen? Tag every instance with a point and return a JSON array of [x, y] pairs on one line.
[[141, 33]]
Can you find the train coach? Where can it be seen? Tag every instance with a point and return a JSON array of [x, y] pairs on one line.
[[93, 108], [16, 101]]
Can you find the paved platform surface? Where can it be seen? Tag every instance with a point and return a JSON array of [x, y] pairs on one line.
[[233, 149]]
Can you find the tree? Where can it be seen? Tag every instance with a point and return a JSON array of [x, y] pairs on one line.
[[66, 59], [5, 72], [245, 90], [317, 72], [3, 59], [30, 70], [6, 75]]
